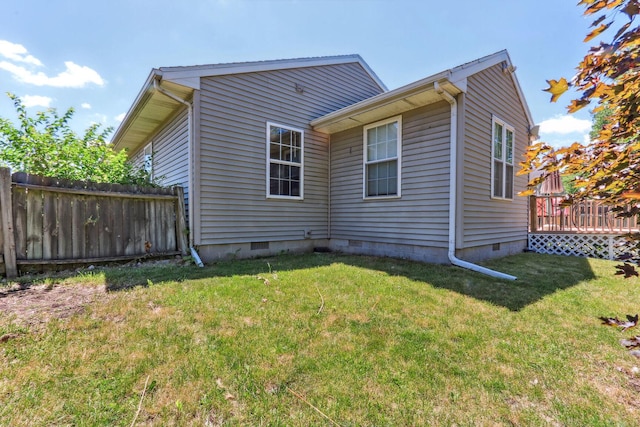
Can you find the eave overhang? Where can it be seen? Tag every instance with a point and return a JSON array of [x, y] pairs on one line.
[[415, 95], [149, 111], [397, 101], [151, 108]]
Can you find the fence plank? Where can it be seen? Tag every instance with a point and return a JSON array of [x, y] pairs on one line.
[[49, 226], [181, 222], [65, 226], [34, 224], [19, 198], [79, 246], [170, 225], [164, 216], [105, 227], [8, 242], [128, 226], [92, 234], [118, 225], [150, 237], [139, 228]]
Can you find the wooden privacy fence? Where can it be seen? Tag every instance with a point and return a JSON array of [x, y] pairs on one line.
[[47, 221]]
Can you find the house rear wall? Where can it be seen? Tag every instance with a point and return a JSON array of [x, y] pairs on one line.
[[234, 110], [412, 226], [487, 221]]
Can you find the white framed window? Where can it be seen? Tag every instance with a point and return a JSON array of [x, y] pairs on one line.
[[285, 161], [382, 158], [147, 159], [502, 137]]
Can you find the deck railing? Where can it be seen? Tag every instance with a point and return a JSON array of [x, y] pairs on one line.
[[547, 214]]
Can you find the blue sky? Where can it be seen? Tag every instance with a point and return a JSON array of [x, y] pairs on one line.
[[95, 55]]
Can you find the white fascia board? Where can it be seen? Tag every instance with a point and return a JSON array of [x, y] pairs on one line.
[[465, 70], [191, 82], [197, 71], [137, 104], [480, 64], [523, 100], [382, 99]]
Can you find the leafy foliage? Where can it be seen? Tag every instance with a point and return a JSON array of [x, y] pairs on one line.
[[608, 168], [46, 145]]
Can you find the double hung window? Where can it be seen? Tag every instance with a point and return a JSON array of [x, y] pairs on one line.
[[284, 161], [382, 159], [502, 160]]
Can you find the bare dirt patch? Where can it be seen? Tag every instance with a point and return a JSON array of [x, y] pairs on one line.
[[38, 304]]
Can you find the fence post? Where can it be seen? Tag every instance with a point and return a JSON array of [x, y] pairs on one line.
[[533, 214], [181, 222], [6, 217]]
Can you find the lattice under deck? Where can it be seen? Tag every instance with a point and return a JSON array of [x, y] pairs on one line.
[[605, 246]]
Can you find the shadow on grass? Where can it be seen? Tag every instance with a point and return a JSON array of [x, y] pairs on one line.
[[538, 275]]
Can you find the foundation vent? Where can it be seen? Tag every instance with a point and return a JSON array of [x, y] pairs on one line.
[[259, 245]]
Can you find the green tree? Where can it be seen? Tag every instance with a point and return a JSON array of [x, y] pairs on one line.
[[600, 119], [46, 145]]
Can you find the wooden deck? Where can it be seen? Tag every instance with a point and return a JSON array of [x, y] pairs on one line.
[[547, 215]]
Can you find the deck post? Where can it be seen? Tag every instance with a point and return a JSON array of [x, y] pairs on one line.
[[533, 214]]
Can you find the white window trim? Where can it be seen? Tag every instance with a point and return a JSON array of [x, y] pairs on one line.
[[398, 158], [149, 148], [505, 127], [268, 163]]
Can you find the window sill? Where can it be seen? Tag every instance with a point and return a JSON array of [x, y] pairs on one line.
[[285, 198], [501, 199], [374, 198]]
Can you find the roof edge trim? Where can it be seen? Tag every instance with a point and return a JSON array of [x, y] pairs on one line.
[[196, 71]]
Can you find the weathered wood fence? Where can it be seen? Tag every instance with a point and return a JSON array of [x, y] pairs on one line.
[[47, 221]]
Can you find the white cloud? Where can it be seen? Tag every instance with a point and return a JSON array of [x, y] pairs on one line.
[[565, 125], [74, 76], [120, 117], [564, 130], [85, 105], [36, 101], [17, 53]]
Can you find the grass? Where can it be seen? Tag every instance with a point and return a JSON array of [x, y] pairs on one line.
[[325, 339]]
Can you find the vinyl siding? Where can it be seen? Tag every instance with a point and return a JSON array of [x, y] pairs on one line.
[[234, 110], [170, 154], [485, 220], [420, 216]]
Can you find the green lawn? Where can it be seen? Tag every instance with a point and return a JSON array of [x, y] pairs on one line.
[[327, 339]]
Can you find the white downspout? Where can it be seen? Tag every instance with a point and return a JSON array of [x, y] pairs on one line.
[[157, 87], [329, 193], [453, 158]]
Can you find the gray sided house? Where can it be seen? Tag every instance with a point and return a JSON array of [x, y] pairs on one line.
[[291, 155]]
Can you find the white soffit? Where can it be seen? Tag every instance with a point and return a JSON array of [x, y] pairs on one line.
[[397, 101], [413, 95], [151, 108]]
